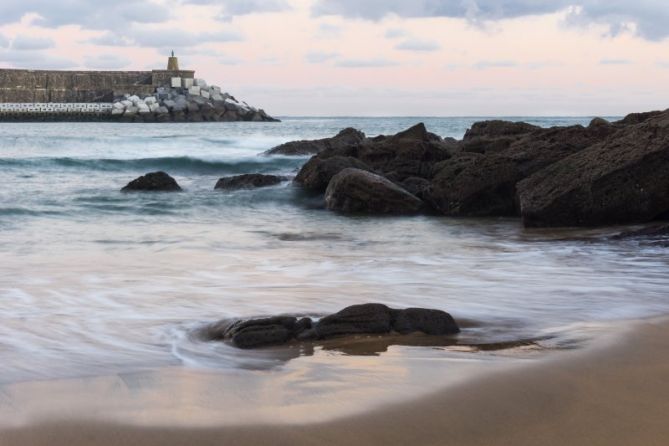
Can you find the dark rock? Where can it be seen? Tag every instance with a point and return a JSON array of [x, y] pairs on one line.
[[316, 174], [358, 191], [473, 184], [416, 186], [432, 322], [263, 332], [357, 319], [153, 182], [345, 138], [596, 122], [494, 136], [638, 118], [366, 319], [411, 153], [249, 181], [623, 179]]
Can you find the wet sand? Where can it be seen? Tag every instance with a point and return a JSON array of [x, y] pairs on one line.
[[615, 394]]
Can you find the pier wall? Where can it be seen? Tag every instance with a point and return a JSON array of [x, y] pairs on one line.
[[43, 86]]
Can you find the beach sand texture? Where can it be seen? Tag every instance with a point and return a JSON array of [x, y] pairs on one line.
[[617, 394]]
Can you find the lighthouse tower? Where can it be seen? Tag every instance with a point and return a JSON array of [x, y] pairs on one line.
[[173, 63]]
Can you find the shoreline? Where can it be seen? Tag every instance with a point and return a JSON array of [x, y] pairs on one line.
[[611, 393]]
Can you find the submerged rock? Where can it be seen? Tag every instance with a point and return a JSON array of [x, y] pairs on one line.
[[365, 319], [153, 182], [345, 138], [269, 331], [358, 191], [248, 181]]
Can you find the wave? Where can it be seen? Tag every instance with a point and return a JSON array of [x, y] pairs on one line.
[[183, 164]]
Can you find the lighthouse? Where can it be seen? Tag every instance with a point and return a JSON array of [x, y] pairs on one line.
[[173, 63]]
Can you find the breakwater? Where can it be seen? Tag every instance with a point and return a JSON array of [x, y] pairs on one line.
[[125, 96]]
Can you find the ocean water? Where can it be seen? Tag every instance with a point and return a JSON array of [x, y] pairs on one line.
[[94, 281]]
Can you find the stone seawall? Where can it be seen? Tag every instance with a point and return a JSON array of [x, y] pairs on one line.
[[43, 86]]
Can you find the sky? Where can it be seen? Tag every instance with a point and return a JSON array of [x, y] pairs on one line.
[[369, 57]]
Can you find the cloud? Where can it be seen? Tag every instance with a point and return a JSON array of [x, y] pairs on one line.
[[418, 45], [86, 13], [615, 62], [646, 18], [663, 64], [164, 39], [395, 33], [35, 60], [244, 7], [106, 62], [320, 57], [29, 43], [4, 41], [365, 63], [488, 64]]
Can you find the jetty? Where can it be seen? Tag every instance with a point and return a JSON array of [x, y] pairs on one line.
[[127, 96]]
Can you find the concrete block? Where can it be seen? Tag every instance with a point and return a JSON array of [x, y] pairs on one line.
[[200, 83], [132, 110], [217, 90], [193, 107], [194, 91], [204, 94], [117, 111], [134, 99], [186, 82], [175, 82], [162, 110], [154, 107], [216, 97], [150, 100]]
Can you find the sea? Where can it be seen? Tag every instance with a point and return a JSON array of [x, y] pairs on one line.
[[97, 282]]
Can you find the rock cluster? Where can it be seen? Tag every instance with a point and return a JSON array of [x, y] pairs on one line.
[[366, 319], [603, 174], [162, 182], [188, 103]]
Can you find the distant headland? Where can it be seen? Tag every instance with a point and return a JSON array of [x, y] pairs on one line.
[[126, 96]]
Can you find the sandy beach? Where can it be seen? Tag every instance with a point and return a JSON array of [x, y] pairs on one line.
[[614, 394]]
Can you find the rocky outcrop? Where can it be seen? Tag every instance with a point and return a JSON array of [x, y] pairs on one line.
[[366, 319], [357, 191], [345, 138], [623, 179], [471, 184], [153, 182], [248, 181], [603, 173], [483, 183]]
